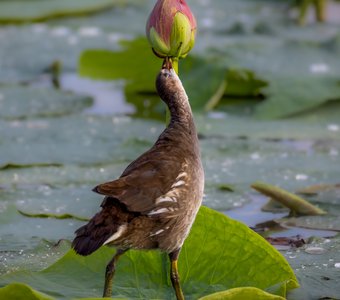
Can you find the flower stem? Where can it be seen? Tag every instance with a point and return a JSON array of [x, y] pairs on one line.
[[174, 61]]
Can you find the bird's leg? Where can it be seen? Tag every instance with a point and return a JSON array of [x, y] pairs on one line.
[[110, 272], [174, 274]]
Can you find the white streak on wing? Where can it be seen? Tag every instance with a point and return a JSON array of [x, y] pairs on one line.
[[158, 211], [165, 199], [116, 235], [178, 183], [180, 175], [157, 232]]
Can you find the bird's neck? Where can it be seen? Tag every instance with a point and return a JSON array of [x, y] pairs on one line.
[[181, 114], [180, 110], [182, 127]]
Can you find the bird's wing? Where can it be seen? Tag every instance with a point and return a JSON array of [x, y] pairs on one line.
[[146, 187]]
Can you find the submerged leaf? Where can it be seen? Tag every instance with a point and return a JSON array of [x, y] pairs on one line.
[[54, 216], [295, 203], [26, 166], [226, 187], [274, 206]]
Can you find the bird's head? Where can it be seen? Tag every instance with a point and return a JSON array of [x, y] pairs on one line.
[[168, 84]]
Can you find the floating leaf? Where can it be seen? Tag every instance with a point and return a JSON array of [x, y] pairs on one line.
[[329, 223], [317, 274], [290, 95], [232, 256], [83, 139], [21, 102], [295, 203], [27, 11], [316, 189]]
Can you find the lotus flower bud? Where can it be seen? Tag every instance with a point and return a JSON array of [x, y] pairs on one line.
[[171, 28]]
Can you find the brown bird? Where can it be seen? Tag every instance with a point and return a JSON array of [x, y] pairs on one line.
[[153, 204]]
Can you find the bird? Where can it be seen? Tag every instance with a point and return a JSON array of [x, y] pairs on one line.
[[154, 202]]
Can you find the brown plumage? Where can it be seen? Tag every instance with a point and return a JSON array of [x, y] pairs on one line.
[[154, 202]]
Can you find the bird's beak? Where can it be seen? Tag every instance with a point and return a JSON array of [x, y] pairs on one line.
[[167, 64]]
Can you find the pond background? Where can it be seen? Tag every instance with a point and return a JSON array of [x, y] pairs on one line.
[[277, 120]]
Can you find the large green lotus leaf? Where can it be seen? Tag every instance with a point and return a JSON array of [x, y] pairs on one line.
[[305, 82], [241, 127], [223, 200], [104, 64], [272, 53], [75, 139], [328, 112], [291, 95], [42, 255], [242, 161], [31, 177], [201, 78], [317, 267], [17, 291], [219, 254], [57, 200], [20, 233], [24, 11], [26, 102], [27, 52]]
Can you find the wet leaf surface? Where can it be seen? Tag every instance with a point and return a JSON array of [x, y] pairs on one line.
[[318, 273], [20, 102], [76, 276]]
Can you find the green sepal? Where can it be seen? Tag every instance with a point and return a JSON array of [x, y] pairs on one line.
[[158, 45], [181, 36]]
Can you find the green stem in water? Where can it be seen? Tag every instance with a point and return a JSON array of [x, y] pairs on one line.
[[321, 10], [174, 62], [303, 10]]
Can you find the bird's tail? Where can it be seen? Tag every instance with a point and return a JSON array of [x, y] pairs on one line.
[[101, 228], [84, 244]]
